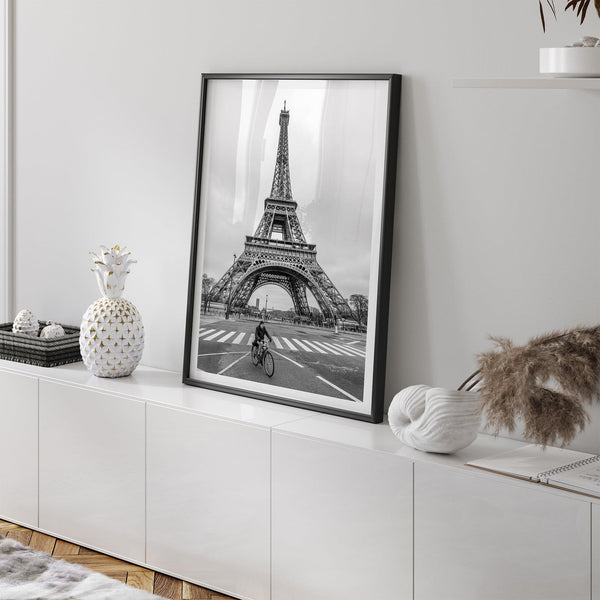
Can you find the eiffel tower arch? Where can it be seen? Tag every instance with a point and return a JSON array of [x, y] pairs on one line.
[[278, 253]]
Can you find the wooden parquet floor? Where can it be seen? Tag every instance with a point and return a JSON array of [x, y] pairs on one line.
[[133, 575]]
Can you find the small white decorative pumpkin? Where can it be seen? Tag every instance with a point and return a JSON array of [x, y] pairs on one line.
[[52, 330], [26, 323], [435, 419]]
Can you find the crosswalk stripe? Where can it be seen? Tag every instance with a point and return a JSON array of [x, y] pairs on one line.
[[289, 344], [354, 351], [315, 347], [238, 339], [326, 348], [288, 358], [293, 344], [205, 332], [226, 337], [212, 336], [339, 389], [305, 348], [334, 348], [233, 363], [359, 352]]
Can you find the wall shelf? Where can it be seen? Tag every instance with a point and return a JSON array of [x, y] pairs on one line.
[[542, 83]]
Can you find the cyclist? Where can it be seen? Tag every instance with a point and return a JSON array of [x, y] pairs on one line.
[[259, 334]]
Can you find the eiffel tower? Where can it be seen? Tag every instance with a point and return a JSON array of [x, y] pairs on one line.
[[278, 253]]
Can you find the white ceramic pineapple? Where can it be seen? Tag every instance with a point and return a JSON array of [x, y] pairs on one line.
[[26, 323], [112, 334]]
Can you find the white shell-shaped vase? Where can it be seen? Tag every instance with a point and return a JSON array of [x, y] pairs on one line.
[[435, 419]]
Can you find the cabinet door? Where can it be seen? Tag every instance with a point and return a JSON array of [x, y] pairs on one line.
[[342, 522], [19, 448], [596, 551], [92, 468], [208, 501], [479, 536]]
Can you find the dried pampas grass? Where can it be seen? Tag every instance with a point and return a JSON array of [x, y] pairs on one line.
[[545, 383]]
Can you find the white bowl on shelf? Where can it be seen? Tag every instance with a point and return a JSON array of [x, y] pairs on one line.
[[570, 62]]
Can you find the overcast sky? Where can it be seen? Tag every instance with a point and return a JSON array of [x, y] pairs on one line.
[[336, 147]]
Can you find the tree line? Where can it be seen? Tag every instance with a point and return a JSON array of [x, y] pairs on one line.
[[359, 303]]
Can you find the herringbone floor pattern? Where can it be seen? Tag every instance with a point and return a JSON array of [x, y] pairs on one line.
[[133, 575]]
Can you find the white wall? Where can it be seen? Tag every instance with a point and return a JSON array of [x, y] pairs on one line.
[[497, 223]]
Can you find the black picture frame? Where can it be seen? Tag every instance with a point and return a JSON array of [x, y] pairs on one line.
[[222, 95]]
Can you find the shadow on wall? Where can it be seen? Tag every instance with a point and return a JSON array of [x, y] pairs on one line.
[[420, 233]]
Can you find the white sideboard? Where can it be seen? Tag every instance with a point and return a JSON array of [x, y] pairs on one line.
[[264, 501]]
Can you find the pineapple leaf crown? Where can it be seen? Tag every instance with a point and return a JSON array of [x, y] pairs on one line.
[[111, 266]]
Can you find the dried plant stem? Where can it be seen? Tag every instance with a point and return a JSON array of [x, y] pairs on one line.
[[544, 383]]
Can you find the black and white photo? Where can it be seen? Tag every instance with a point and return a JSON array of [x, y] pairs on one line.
[[289, 277]]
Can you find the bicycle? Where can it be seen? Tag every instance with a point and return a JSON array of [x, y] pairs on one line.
[[261, 354]]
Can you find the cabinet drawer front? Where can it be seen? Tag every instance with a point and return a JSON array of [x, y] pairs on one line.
[[596, 552], [208, 501], [342, 522], [19, 448], [92, 468], [478, 536]]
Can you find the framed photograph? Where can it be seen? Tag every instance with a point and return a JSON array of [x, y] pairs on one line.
[[292, 234]]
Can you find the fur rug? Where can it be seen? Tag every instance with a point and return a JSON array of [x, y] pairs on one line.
[[27, 574]]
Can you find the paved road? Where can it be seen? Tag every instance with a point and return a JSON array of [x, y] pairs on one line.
[[306, 358]]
